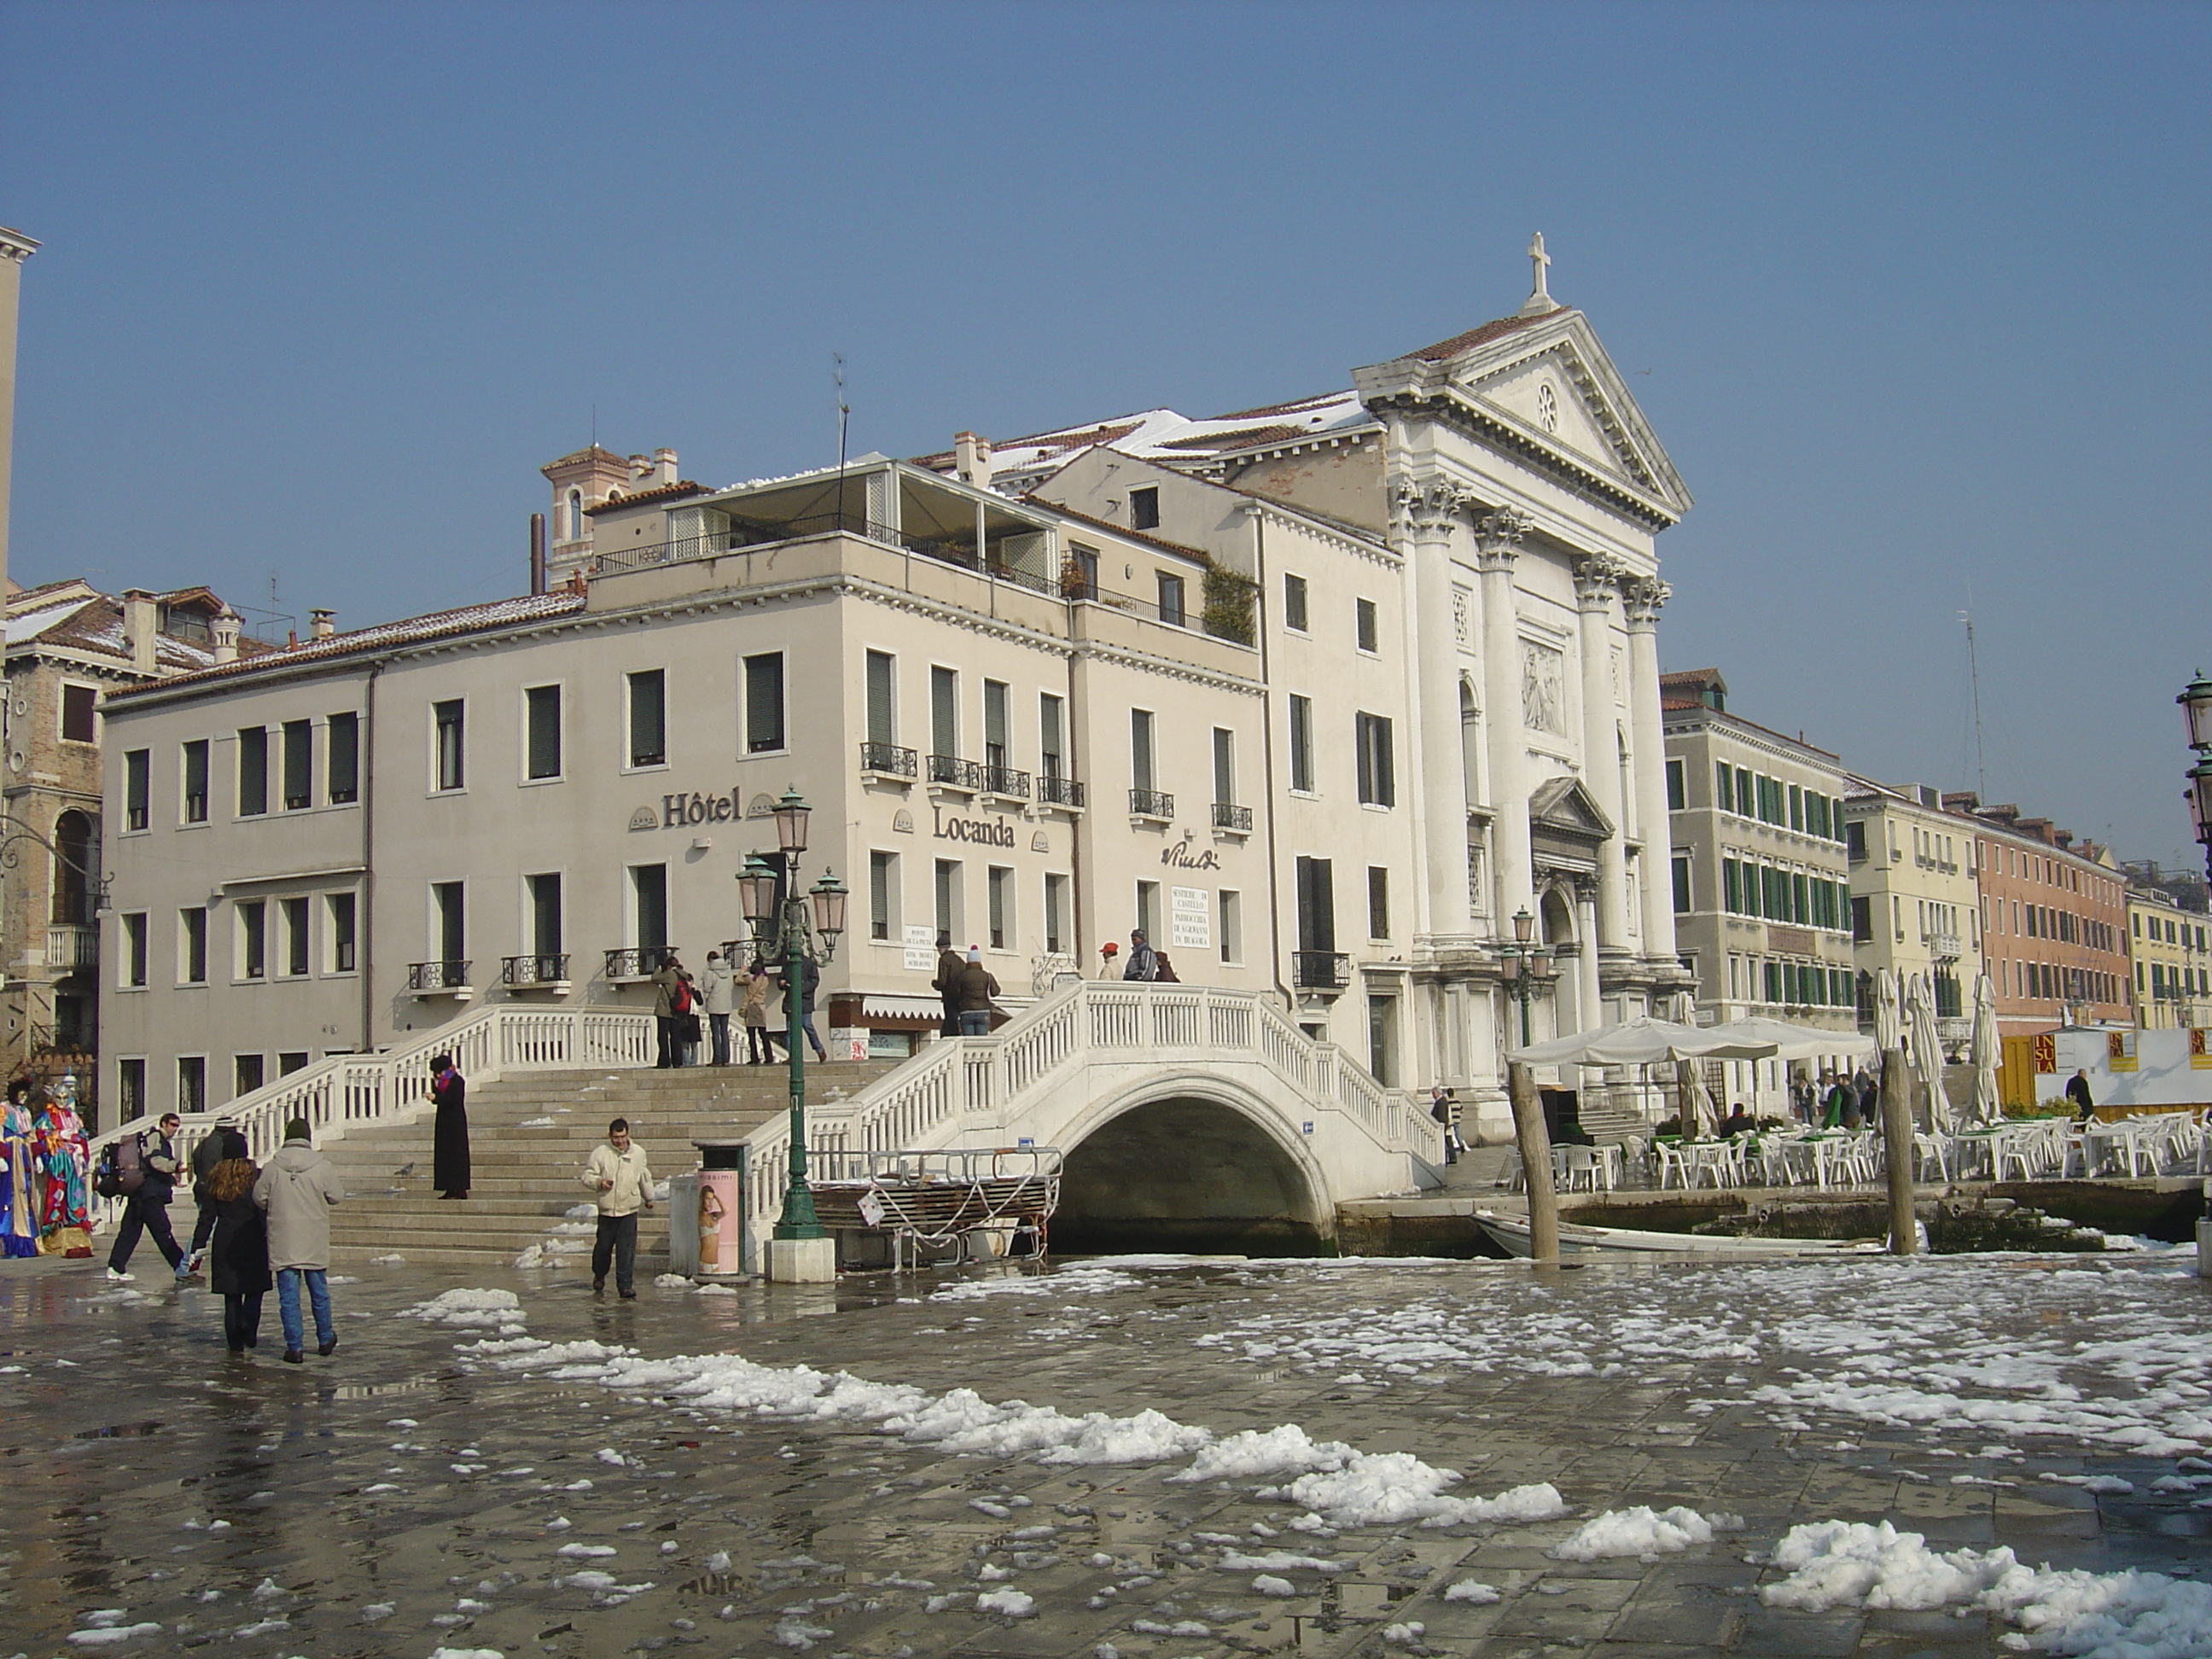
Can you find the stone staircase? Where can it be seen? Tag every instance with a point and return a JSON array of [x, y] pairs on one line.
[[525, 1169]]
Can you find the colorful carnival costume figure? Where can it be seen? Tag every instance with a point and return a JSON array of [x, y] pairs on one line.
[[65, 1225], [20, 1179]]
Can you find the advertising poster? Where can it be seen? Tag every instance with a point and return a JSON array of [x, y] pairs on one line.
[[722, 1223]]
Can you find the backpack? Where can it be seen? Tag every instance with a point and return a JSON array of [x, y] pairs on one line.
[[680, 998], [122, 1170]]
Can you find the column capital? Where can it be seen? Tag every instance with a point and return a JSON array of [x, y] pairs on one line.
[[1641, 600], [1497, 538], [1429, 505], [1595, 579], [1586, 889]]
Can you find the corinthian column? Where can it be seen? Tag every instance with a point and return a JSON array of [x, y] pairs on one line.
[[1497, 547], [1431, 509], [1641, 599], [1597, 579]]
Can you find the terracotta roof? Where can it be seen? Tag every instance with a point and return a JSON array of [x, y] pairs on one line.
[[1165, 546], [1495, 330], [1245, 439], [1295, 406], [1046, 443], [593, 454], [410, 630], [659, 493]]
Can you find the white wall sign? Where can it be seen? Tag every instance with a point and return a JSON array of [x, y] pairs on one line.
[[920, 950], [1190, 924]]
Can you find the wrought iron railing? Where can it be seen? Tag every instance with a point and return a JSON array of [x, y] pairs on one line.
[[1006, 780], [1150, 804], [547, 969], [1228, 816], [888, 758], [437, 975], [960, 774], [638, 961], [1059, 792], [1321, 971]]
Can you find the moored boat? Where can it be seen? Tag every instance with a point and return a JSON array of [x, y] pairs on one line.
[[1511, 1233]]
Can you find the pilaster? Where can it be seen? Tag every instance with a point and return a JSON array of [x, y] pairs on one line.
[[1432, 511], [1597, 579], [1497, 551], [1641, 600]]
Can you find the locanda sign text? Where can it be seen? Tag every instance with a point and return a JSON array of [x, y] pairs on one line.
[[982, 831]]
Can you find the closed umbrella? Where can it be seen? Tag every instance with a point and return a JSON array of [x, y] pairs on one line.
[[1888, 1028], [1987, 1050], [1924, 1048], [1697, 1100]]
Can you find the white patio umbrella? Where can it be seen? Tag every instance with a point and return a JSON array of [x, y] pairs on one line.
[[1924, 1048], [1639, 1042], [1987, 1050], [1793, 1041]]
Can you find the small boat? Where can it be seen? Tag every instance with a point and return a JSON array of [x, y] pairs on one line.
[[1511, 1233]]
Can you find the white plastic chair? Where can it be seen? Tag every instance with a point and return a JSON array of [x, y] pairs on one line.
[[1672, 1165]]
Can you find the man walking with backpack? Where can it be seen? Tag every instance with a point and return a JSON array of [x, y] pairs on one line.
[[146, 1177], [297, 1189]]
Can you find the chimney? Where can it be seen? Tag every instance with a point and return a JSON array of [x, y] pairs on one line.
[[538, 552], [972, 459], [226, 636], [664, 467], [641, 468], [141, 619], [321, 625]]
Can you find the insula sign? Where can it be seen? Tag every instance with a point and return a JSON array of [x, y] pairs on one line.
[[984, 832]]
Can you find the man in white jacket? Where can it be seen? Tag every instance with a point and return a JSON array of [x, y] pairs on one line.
[[717, 989], [297, 1187], [622, 1182]]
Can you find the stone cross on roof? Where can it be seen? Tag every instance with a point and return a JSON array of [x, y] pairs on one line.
[[1540, 298]]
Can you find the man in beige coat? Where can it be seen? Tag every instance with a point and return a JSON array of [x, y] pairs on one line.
[[297, 1187], [621, 1180]]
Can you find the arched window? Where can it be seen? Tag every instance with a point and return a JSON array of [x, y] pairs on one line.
[[74, 878], [576, 533]]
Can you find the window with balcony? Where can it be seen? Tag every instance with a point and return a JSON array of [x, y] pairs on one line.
[[541, 732], [764, 725], [449, 752], [449, 923], [649, 907], [1172, 600], [341, 757], [137, 788], [649, 717], [944, 715], [1294, 602], [252, 771]]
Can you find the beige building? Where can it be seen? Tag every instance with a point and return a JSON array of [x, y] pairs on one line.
[[1760, 881], [2171, 965], [1320, 694], [1916, 905], [69, 647]]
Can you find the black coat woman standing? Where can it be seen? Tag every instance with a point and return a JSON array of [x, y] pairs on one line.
[[238, 1252], [449, 1144]]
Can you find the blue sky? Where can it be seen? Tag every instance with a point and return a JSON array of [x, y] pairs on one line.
[[1914, 295]]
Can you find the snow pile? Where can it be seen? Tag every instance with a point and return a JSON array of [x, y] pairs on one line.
[[1268, 1584], [1641, 1531], [1388, 1488], [1068, 1281], [1473, 1591], [468, 1307], [1266, 1451], [1012, 1603], [1278, 1561]]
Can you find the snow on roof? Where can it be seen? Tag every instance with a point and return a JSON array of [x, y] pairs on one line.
[[27, 625], [1164, 434]]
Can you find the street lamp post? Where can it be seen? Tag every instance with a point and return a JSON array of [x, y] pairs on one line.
[[801, 1248], [2195, 701], [1529, 965]]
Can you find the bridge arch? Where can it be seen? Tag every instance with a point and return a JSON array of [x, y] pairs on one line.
[[1190, 1162]]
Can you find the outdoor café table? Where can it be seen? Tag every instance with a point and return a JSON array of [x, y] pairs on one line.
[[2129, 1140], [1607, 1161], [1986, 1145], [1821, 1155], [1715, 1157]]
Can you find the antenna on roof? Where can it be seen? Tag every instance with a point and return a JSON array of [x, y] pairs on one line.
[[844, 409], [1974, 677]]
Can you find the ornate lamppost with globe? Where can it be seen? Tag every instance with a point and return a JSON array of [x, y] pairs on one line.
[[801, 1249], [1527, 966], [2195, 702]]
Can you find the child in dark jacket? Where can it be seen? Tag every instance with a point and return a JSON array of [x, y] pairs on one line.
[[238, 1256]]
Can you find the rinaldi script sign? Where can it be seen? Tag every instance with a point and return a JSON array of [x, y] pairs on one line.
[[985, 832]]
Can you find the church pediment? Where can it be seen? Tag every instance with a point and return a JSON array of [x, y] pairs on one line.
[[1541, 385], [1562, 807]]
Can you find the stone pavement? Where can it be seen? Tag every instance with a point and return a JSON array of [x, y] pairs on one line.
[[390, 1500]]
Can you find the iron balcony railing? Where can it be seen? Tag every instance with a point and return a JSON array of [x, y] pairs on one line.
[[1321, 971], [638, 961], [888, 759], [550, 969], [1059, 792], [1150, 804], [437, 975], [1004, 780], [960, 774], [1228, 816]]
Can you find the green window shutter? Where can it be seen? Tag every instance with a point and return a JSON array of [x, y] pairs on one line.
[[1723, 787]]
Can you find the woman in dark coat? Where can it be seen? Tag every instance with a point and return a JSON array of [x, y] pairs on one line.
[[238, 1253], [449, 1144]]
